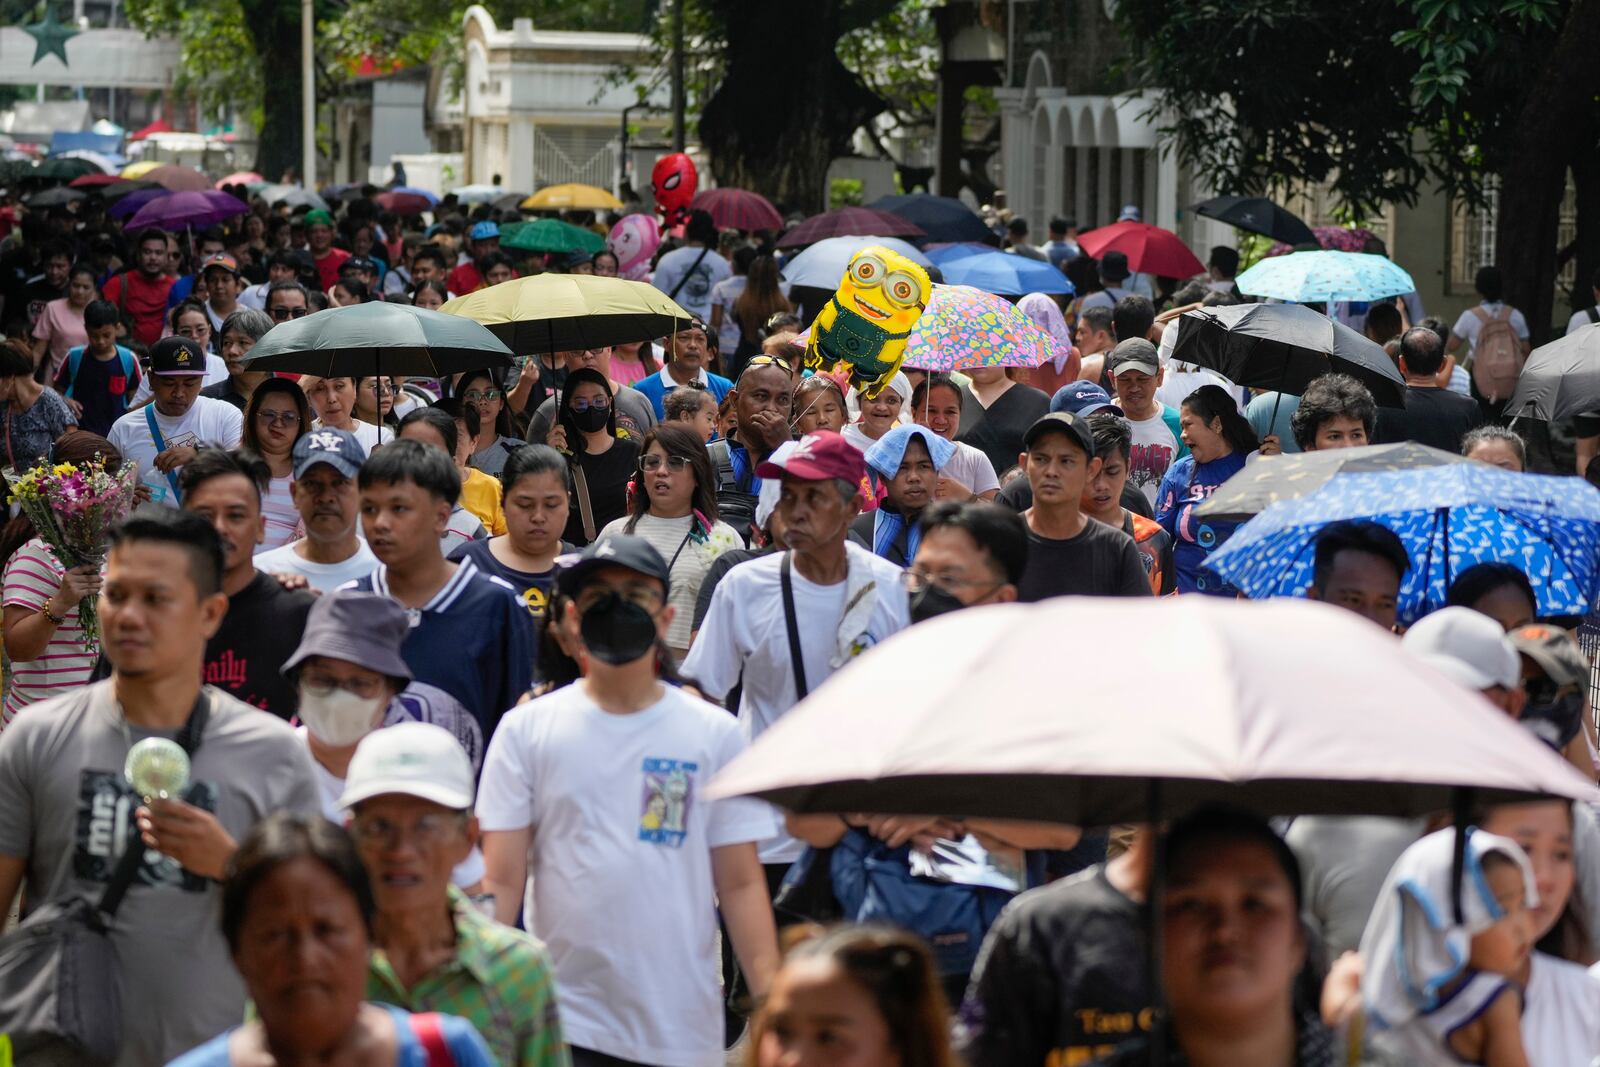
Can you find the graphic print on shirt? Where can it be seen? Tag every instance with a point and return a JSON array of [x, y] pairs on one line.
[[1147, 464], [534, 599], [665, 800], [106, 804]]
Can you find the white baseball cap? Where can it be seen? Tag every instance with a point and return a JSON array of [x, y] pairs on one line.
[[1466, 646], [416, 759]]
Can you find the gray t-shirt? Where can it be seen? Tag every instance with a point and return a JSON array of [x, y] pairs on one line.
[[65, 807], [1344, 861], [634, 414]]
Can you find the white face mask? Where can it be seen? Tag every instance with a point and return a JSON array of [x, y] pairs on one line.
[[340, 718]]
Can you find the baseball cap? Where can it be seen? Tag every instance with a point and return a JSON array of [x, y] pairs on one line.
[[618, 550], [339, 449], [1073, 425], [1465, 646], [359, 263], [1083, 397], [362, 628], [318, 217], [416, 759], [1553, 651], [817, 457], [174, 356], [484, 231], [1114, 267], [1135, 353], [1129, 213], [221, 261]]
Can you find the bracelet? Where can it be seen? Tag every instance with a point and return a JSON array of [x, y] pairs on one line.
[[55, 620]]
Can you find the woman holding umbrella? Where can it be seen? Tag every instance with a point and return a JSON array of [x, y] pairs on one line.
[[1219, 441], [602, 460]]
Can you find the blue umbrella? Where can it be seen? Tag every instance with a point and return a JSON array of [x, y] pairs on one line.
[[1449, 518], [1318, 277], [1000, 273]]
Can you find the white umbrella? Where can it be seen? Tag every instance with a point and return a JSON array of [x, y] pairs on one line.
[[1285, 706], [822, 265], [477, 194]]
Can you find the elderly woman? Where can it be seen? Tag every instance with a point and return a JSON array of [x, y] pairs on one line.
[[297, 911], [240, 332]]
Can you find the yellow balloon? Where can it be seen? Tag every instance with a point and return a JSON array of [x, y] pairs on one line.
[[865, 325]]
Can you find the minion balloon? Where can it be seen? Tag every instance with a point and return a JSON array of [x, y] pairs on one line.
[[866, 324]]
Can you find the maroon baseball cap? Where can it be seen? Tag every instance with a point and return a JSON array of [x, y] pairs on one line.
[[818, 457]]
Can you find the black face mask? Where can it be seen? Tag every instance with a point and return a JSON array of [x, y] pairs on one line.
[[1554, 717], [591, 420], [931, 601], [617, 631]]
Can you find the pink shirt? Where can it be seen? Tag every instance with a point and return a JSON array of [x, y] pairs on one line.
[[627, 373], [62, 326], [282, 519], [32, 577]]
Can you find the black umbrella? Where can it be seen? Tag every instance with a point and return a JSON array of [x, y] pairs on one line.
[[1284, 347], [1257, 214], [57, 197], [942, 218], [1561, 378]]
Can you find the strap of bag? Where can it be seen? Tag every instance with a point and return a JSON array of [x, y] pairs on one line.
[[722, 461], [430, 1035], [580, 485], [127, 868], [161, 446], [74, 361], [1593, 313], [686, 274], [792, 625]]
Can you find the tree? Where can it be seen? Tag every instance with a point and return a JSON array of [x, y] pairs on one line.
[[1380, 98]]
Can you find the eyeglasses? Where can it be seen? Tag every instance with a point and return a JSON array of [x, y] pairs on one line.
[[281, 314], [379, 388], [428, 831], [279, 418], [599, 403], [916, 581], [320, 685], [653, 462], [473, 396]]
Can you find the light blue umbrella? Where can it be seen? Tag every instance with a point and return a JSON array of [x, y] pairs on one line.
[[821, 266], [1449, 518], [1000, 273], [1319, 277]]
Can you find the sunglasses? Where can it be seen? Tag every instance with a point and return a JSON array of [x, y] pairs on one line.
[[654, 462], [288, 313], [475, 395]]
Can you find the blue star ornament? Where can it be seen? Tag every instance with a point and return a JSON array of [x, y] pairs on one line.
[[50, 37]]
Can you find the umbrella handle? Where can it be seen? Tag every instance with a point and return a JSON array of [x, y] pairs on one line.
[[1461, 806], [1155, 900]]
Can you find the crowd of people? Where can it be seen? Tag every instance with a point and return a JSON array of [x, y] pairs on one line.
[[454, 662]]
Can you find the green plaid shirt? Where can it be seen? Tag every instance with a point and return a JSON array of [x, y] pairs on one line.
[[499, 980]]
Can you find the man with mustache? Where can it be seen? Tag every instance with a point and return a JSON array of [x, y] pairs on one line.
[[332, 552]]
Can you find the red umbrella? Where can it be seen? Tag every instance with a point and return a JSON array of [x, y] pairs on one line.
[[403, 203], [738, 209], [92, 181], [178, 179], [158, 126], [849, 222], [1150, 249]]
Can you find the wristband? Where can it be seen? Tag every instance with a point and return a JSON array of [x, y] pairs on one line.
[[56, 620]]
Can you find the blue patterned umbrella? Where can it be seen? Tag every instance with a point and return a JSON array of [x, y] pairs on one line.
[[1318, 277], [1449, 518]]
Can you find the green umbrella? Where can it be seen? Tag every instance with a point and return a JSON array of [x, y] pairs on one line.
[[62, 169], [549, 235], [378, 338], [570, 312]]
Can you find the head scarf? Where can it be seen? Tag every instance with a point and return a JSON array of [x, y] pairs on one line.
[[1045, 315], [885, 457]]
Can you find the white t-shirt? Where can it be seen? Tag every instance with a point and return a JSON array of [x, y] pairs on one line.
[[621, 862], [1560, 1013], [744, 632], [853, 433], [207, 422], [216, 371], [1151, 452], [723, 294], [1580, 319], [323, 577], [971, 468], [1469, 325], [694, 295]]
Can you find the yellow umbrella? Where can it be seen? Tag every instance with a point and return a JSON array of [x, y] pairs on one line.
[[570, 312], [141, 168], [573, 196]]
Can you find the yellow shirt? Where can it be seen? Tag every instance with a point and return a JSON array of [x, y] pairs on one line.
[[480, 494]]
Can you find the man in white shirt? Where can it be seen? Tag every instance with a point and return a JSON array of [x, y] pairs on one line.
[[830, 598], [326, 463], [1136, 369], [159, 438], [1590, 315], [687, 274]]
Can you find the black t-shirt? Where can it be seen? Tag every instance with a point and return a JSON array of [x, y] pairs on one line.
[[533, 590], [1435, 417], [224, 390], [1062, 978], [997, 431], [101, 388], [260, 632], [1018, 496], [607, 475], [1100, 561]]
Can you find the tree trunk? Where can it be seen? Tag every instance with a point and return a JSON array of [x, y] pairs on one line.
[[773, 127], [274, 27], [1534, 174], [1586, 243]]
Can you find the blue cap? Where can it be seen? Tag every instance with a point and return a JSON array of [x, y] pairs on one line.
[[1083, 397], [339, 449], [483, 231]]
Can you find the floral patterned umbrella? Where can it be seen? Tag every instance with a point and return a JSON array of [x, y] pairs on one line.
[[963, 327]]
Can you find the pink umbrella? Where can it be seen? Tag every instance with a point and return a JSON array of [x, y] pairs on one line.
[[1249, 703], [1150, 249], [241, 177]]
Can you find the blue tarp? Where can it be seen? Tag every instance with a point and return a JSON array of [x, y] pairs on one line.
[[107, 144]]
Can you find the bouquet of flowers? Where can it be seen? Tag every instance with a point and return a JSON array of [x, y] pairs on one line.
[[71, 507]]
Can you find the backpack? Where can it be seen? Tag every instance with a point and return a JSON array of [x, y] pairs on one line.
[[1496, 355], [736, 505], [75, 362]]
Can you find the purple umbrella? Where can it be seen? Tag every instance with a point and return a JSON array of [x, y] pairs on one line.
[[129, 205], [187, 210]]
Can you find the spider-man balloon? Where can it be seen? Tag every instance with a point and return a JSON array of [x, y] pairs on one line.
[[675, 181]]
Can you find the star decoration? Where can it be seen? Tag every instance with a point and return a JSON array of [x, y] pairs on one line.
[[50, 37]]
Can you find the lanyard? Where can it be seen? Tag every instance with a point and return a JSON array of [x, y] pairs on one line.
[[161, 446]]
